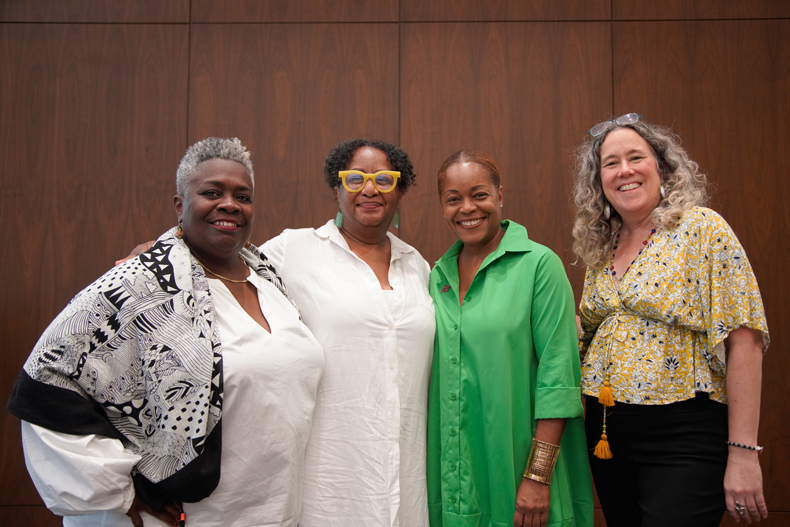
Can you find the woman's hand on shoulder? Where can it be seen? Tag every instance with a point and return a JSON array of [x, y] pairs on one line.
[[137, 251], [532, 504], [743, 484], [170, 513]]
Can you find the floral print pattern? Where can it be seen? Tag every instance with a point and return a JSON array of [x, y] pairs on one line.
[[659, 337]]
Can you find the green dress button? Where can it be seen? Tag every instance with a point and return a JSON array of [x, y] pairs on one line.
[[453, 397]]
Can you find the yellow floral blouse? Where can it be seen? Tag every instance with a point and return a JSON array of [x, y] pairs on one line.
[[659, 337]]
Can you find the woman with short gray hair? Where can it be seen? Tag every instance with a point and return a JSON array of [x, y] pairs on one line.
[[183, 381]]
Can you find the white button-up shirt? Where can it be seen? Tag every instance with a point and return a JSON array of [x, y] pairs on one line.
[[270, 385], [365, 459]]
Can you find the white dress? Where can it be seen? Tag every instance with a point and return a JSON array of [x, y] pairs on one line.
[[270, 383], [365, 463]]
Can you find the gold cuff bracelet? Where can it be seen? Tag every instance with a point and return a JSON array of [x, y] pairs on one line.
[[542, 458]]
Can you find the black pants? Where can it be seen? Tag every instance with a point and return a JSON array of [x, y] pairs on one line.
[[667, 466]]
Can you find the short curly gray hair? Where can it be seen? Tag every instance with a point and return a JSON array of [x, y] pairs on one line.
[[207, 149], [684, 185]]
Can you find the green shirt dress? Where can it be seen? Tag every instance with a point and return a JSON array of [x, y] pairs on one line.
[[507, 357]]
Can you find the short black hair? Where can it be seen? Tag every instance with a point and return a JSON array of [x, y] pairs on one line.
[[340, 156]]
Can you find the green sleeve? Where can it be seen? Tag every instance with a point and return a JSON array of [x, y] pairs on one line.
[[558, 393]]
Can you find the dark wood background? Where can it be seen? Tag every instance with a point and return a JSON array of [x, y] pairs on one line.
[[100, 98]]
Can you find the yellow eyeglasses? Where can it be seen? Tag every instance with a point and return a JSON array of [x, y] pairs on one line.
[[383, 180]]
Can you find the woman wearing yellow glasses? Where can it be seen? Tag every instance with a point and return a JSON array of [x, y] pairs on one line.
[[364, 295]]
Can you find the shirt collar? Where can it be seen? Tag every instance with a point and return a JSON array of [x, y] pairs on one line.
[[515, 240], [330, 231]]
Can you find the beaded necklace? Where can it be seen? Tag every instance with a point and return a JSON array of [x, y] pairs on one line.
[[614, 248]]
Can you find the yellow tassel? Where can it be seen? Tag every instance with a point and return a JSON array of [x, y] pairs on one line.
[[605, 397], [602, 449]]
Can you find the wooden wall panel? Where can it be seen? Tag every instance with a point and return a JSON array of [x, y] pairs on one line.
[[136, 11], [295, 11], [291, 93], [523, 93], [723, 86], [93, 125], [94, 118], [503, 10], [698, 9], [32, 516]]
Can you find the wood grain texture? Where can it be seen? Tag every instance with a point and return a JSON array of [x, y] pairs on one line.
[[503, 10], [93, 125], [521, 92], [295, 11], [33, 516], [129, 11], [93, 121], [723, 86], [698, 9], [291, 93], [598, 519]]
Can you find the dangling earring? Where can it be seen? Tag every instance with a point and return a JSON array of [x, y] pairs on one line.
[[339, 220], [663, 192], [179, 232], [396, 219], [607, 211]]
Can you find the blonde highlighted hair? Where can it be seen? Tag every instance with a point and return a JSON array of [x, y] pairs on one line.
[[684, 185]]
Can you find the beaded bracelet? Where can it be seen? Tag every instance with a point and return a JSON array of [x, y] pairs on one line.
[[759, 449]]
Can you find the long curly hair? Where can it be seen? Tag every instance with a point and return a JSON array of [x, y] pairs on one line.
[[340, 156], [684, 185]]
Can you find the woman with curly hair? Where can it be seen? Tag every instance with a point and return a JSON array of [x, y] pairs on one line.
[[364, 294], [673, 332]]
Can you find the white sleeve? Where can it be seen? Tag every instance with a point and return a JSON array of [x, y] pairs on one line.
[[77, 475], [274, 250]]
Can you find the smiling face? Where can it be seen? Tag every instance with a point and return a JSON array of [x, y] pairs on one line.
[[368, 207], [629, 175], [471, 204], [216, 211]]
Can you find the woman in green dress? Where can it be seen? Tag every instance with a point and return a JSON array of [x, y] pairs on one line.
[[506, 442]]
